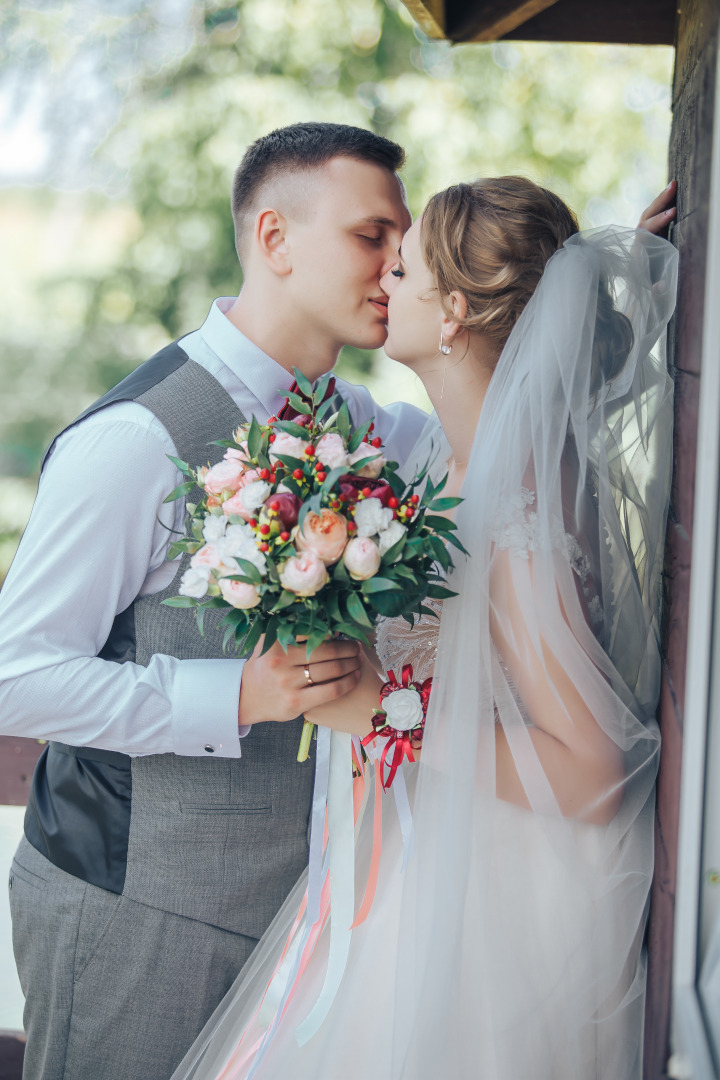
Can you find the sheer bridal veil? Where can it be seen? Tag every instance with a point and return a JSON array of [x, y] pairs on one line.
[[515, 947], [524, 909]]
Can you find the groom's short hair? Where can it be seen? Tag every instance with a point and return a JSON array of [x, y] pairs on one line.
[[300, 148]]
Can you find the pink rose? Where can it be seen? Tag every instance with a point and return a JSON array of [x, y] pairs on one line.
[[362, 558], [239, 593], [304, 574], [374, 467], [207, 555], [289, 445], [235, 504], [324, 533], [225, 476], [243, 454], [331, 451]]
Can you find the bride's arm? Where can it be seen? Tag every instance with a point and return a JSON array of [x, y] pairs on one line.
[[583, 764], [354, 711]]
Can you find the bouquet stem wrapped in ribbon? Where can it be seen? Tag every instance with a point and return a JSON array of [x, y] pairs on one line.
[[304, 531]]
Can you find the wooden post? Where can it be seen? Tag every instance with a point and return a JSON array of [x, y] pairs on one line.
[[690, 157]]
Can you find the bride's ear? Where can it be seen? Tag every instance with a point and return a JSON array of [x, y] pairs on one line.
[[452, 324]]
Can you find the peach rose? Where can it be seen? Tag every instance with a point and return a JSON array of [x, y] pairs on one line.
[[225, 476], [304, 574], [236, 504], [207, 556], [324, 533], [362, 558], [239, 593]]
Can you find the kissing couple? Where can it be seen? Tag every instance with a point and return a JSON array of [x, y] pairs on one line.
[[166, 839]]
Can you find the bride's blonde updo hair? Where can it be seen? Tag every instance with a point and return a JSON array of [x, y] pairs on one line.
[[490, 240]]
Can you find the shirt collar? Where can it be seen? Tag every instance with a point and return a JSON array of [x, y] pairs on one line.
[[263, 376]]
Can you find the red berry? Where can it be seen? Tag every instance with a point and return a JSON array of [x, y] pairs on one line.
[[274, 505], [319, 465], [252, 523], [264, 530], [264, 547], [409, 511], [264, 474], [310, 451], [272, 437], [414, 499], [394, 514], [342, 498], [351, 526], [272, 419], [377, 441], [371, 428], [393, 503], [367, 492], [321, 477], [298, 474], [365, 438], [284, 536]]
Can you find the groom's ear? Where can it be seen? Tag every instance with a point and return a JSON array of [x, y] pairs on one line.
[[271, 241], [452, 325]]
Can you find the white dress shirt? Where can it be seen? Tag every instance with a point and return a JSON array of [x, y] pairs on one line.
[[98, 538]]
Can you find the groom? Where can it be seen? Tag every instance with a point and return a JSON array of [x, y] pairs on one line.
[[168, 818]]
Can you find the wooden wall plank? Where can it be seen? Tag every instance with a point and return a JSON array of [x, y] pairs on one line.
[[690, 151]]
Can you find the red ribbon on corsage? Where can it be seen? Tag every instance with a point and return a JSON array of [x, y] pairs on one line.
[[401, 721]]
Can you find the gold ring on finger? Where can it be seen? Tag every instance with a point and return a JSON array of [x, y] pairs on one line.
[[306, 671]]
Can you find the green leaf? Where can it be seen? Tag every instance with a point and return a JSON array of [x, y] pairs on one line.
[[299, 404], [340, 574], [182, 465], [423, 610], [389, 603], [312, 504], [322, 410], [357, 437], [451, 538], [316, 637], [438, 592], [396, 482], [378, 584], [254, 440], [252, 637], [292, 429], [251, 570], [332, 478], [304, 384], [343, 422], [332, 607], [357, 612], [444, 504], [178, 492], [285, 600], [178, 547], [270, 636], [321, 389], [181, 601], [440, 524], [400, 570]]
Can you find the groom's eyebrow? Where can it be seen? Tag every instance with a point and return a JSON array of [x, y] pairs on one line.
[[373, 220]]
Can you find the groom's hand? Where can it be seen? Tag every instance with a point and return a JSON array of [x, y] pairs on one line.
[[275, 686]]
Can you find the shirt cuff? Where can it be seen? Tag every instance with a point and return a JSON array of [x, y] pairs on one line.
[[205, 708]]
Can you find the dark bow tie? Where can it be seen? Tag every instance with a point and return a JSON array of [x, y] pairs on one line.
[[289, 413]]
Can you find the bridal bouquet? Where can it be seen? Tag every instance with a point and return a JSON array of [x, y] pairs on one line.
[[304, 530]]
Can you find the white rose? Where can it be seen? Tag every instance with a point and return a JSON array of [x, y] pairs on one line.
[[214, 527], [372, 517], [373, 468], [194, 582], [403, 709], [241, 545], [390, 536], [289, 445], [252, 496], [330, 450]]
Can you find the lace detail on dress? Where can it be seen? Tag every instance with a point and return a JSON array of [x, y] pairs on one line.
[[396, 643], [516, 531]]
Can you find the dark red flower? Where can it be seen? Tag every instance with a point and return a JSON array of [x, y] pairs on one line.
[[287, 507]]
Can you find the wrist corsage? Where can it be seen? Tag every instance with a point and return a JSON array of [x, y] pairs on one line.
[[400, 720]]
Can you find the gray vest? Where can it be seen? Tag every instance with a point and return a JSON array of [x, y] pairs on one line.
[[221, 840]]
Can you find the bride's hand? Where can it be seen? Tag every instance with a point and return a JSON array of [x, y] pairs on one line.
[[661, 211], [353, 712]]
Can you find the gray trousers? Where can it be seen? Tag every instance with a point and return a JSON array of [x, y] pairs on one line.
[[114, 990]]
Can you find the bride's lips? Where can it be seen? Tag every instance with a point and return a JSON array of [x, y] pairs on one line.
[[380, 303]]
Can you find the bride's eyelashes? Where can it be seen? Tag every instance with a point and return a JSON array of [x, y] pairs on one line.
[[397, 272]]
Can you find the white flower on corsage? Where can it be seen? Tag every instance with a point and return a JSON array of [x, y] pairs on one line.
[[390, 536], [239, 543], [214, 527], [254, 495], [371, 517], [403, 709]]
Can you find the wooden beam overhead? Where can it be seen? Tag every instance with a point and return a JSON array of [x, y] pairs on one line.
[[619, 22]]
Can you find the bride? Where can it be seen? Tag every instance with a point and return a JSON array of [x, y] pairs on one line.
[[511, 945]]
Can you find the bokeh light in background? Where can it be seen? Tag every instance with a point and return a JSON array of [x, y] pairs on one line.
[[121, 122]]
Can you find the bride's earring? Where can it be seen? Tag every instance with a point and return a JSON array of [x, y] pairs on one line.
[[445, 350]]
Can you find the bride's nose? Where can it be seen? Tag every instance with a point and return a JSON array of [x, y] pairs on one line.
[[387, 281]]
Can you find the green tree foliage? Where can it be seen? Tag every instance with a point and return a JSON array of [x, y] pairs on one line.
[[591, 122]]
